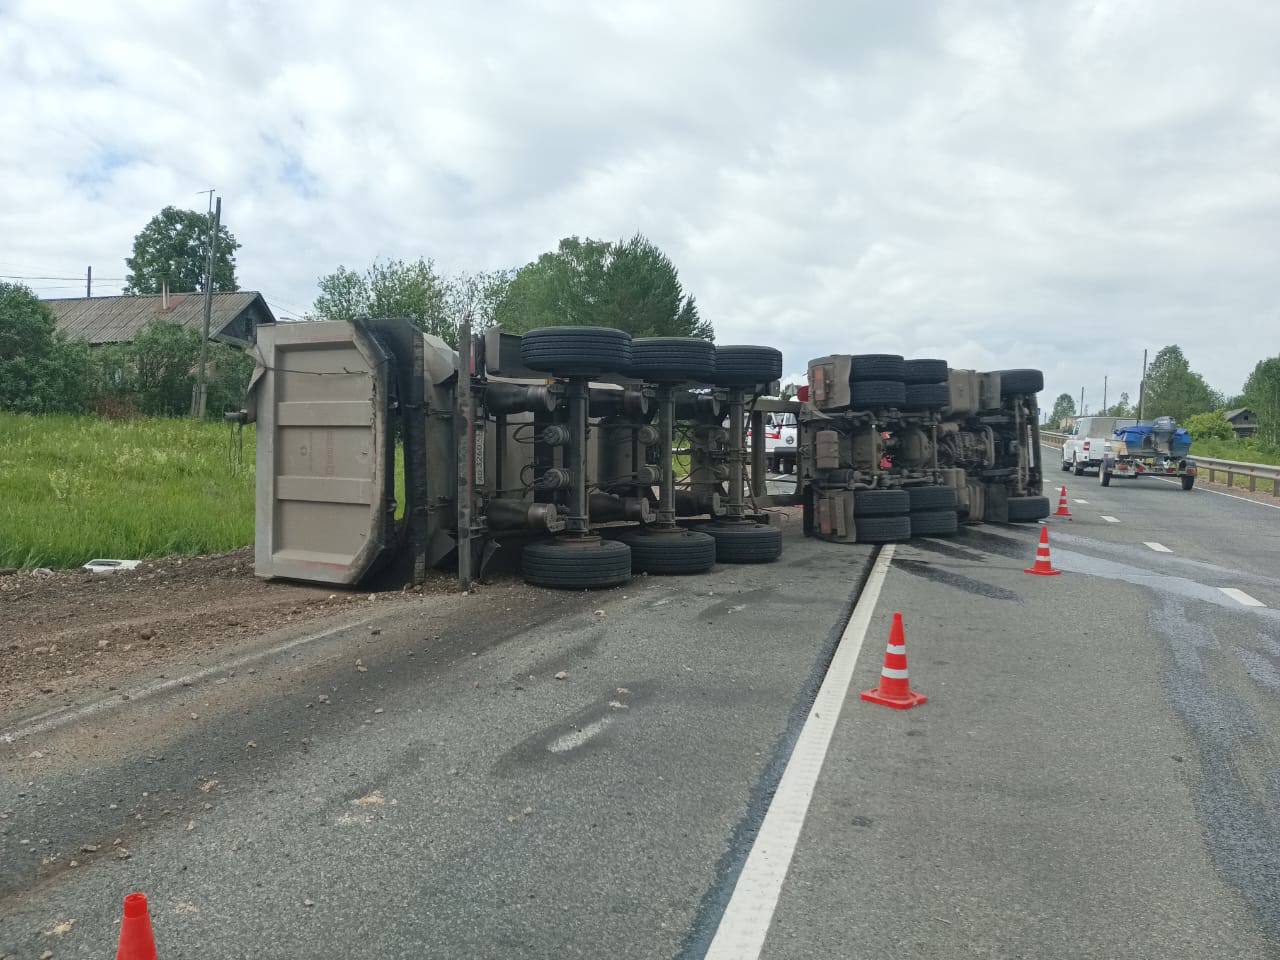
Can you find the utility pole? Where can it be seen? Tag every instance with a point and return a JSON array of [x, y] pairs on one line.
[[200, 394], [1142, 386], [1104, 394], [88, 281], [1081, 401]]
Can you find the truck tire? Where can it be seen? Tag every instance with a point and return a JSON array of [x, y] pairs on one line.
[[670, 552], [877, 394], [1028, 509], [880, 503], [1188, 482], [576, 351], [1066, 464], [866, 367], [934, 523], [576, 565], [745, 542], [1020, 381], [745, 365], [1077, 468], [673, 359], [927, 396], [925, 371], [932, 498], [882, 529]]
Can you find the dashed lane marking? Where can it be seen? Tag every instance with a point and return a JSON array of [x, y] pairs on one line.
[[747, 918], [1157, 547], [1241, 597], [1078, 500], [1110, 519]]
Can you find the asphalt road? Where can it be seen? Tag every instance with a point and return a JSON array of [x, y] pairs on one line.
[[1094, 774], [453, 799]]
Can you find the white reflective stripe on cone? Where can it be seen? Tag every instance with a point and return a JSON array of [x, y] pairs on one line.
[[893, 673]]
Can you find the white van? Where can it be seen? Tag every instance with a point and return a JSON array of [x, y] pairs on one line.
[[1089, 440]]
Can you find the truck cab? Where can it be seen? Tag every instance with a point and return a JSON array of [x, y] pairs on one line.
[[1090, 441]]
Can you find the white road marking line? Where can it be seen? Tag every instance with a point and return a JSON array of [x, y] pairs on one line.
[[1110, 519], [1241, 597], [1157, 547], [52, 719], [1078, 500], [1273, 506], [576, 738], [742, 930]]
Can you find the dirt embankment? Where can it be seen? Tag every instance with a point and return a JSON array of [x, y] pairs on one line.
[[70, 631]]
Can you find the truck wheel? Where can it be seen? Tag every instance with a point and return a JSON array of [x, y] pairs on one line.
[[1028, 509], [880, 503], [866, 367], [877, 394], [1066, 464], [673, 359], [671, 552], [934, 523], [932, 498], [585, 564], [925, 371], [745, 365], [1188, 482], [1077, 468], [1020, 381], [576, 351], [927, 396], [1104, 476], [745, 542], [882, 529]]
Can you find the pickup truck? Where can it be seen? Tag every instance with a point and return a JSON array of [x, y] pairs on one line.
[[1089, 442]]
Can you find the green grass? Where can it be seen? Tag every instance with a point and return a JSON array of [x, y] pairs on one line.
[[1245, 452], [75, 488]]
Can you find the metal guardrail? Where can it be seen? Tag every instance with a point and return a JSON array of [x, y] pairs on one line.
[[1209, 466]]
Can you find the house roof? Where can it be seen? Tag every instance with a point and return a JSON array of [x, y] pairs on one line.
[[1232, 414], [233, 316]]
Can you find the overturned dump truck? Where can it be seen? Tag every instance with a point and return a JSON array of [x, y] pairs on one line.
[[381, 449], [893, 448]]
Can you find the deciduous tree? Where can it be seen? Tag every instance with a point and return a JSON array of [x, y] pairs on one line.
[[174, 246], [1174, 389]]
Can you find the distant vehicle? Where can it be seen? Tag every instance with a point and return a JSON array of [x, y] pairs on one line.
[[1090, 441], [1155, 449], [780, 442]]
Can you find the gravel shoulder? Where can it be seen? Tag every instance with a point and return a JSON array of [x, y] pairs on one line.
[[69, 634]]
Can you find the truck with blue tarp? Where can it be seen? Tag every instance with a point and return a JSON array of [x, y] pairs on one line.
[[1160, 448]]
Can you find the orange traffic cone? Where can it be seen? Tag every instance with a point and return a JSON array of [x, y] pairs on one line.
[[136, 940], [1062, 504], [1043, 567], [894, 689]]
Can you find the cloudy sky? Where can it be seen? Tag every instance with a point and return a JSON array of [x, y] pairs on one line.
[[1055, 184]]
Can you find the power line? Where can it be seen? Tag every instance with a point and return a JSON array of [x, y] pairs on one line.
[[17, 276]]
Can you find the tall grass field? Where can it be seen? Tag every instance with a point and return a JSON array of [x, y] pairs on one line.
[[75, 488]]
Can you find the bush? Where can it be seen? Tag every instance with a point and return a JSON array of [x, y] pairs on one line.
[[40, 370], [1210, 426], [154, 375]]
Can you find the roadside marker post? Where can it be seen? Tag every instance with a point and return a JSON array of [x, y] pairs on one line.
[[895, 687], [1043, 567]]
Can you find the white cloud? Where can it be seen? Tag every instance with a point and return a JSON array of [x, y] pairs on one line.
[[1046, 183]]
